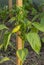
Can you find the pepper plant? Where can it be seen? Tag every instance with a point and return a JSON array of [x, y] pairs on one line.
[[29, 31]]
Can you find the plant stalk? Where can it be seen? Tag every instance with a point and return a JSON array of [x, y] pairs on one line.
[[10, 7]]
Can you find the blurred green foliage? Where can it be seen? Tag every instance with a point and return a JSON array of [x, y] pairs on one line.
[[5, 2]]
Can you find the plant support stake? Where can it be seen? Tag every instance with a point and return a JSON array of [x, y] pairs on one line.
[[18, 39], [10, 7]]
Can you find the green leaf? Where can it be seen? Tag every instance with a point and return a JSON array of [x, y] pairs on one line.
[[4, 59], [30, 1], [38, 26], [6, 40], [1, 46], [12, 19], [34, 11], [42, 21], [22, 53], [43, 39], [34, 40], [2, 26]]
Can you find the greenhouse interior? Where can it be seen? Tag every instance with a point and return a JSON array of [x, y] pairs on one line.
[[21, 32]]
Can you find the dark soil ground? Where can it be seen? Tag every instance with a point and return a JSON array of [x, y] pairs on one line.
[[32, 57]]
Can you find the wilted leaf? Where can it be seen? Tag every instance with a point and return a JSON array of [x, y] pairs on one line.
[[16, 29], [34, 40]]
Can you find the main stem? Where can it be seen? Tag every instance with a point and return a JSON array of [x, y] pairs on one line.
[[18, 39]]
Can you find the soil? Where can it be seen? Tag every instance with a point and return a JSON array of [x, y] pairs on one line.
[[31, 59]]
